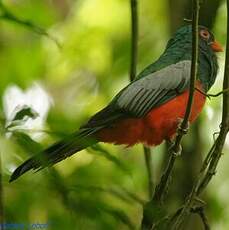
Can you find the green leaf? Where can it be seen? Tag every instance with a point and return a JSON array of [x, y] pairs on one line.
[[122, 194], [99, 150], [26, 142]]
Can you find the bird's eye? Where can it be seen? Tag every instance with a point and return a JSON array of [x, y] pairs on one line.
[[205, 34]]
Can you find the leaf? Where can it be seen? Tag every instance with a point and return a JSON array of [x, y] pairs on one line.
[[121, 194], [99, 150], [119, 215], [26, 142], [92, 207]]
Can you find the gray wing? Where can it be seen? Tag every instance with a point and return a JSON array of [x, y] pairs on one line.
[[138, 98]]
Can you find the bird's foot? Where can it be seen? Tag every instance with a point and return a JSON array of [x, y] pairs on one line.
[[176, 151], [172, 148], [182, 130]]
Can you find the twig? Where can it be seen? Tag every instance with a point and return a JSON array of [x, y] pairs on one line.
[[215, 153], [161, 188], [195, 19], [134, 40], [212, 95], [207, 158], [182, 129], [7, 15], [148, 161], [200, 211], [165, 178], [175, 150], [184, 125], [219, 143], [133, 71]]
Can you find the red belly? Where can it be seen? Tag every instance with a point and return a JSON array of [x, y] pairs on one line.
[[159, 124]]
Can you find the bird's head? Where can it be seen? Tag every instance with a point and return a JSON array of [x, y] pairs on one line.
[[183, 39], [207, 39], [180, 48]]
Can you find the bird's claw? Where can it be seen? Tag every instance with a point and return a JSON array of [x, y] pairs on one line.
[[181, 129], [176, 151]]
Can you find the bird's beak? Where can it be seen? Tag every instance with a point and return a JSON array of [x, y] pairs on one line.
[[216, 46]]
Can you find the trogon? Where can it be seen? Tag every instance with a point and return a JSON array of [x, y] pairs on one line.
[[149, 109]]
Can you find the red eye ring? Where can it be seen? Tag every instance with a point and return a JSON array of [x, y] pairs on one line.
[[205, 34]]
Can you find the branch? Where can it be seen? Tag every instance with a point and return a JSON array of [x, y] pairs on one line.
[[197, 210], [7, 15], [212, 159], [183, 127], [200, 211], [134, 40], [133, 70], [161, 188], [219, 143], [175, 150], [212, 95], [148, 162]]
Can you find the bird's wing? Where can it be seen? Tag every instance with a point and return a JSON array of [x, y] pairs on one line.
[[138, 98]]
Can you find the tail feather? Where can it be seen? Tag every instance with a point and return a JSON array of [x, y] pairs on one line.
[[57, 152], [74, 143]]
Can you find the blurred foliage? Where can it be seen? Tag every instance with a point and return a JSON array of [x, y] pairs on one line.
[[104, 187]]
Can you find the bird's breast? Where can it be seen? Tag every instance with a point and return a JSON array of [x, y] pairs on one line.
[[161, 122], [158, 125]]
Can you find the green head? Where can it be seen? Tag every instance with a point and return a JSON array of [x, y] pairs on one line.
[[181, 47], [183, 38]]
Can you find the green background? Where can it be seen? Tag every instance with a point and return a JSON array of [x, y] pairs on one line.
[[99, 189]]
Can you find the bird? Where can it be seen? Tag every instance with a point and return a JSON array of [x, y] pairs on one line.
[[148, 110]]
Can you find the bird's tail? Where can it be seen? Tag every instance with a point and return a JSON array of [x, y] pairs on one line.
[[57, 152]]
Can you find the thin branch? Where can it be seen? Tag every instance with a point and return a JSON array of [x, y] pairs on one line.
[[148, 161], [175, 150], [213, 157], [218, 145], [196, 5], [133, 71], [7, 15], [134, 40], [212, 95], [161, 188], [197, 210], [200, 211], [207, 159], [183, 127]]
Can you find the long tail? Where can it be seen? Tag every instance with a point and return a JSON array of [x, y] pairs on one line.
[[57, 152]]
